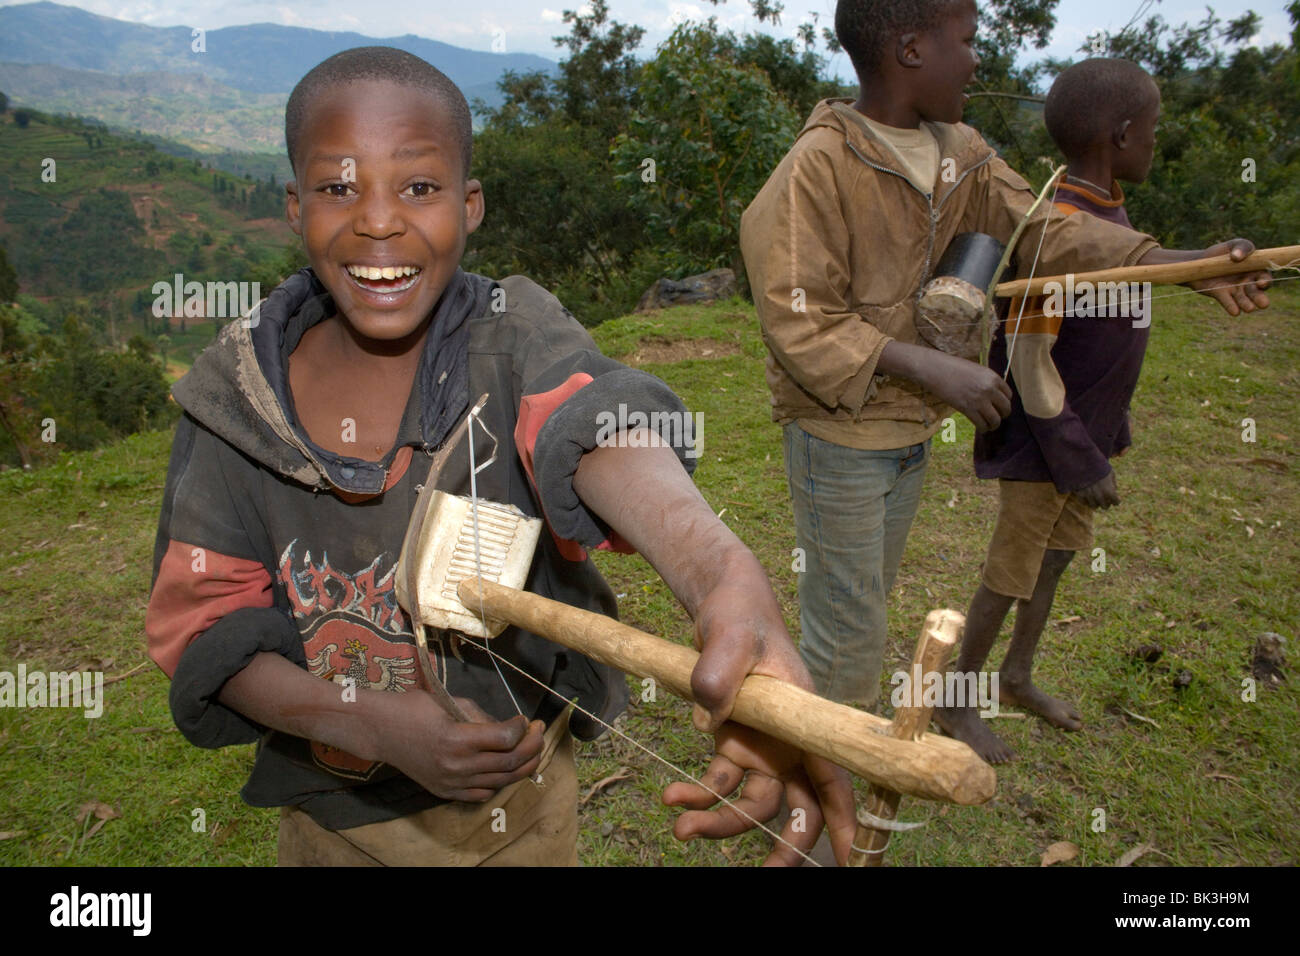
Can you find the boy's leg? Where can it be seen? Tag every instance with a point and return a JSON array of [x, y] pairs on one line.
[[852, 509], [988, 610], [1031, 518], [1015, 686], [1072, 532]]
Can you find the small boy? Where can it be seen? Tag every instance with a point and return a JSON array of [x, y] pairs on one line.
[[837, 245], [307, 433], [1072, 379]]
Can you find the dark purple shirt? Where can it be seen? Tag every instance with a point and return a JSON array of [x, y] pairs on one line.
[[1099, 359]]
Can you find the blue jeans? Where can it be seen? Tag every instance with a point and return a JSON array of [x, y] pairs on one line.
[[852, 512]]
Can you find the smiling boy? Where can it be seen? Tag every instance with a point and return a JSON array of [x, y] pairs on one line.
[[838, 244], [307, 433]]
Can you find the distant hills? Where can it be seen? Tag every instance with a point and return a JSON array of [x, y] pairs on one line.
[[231, 97], [114, 215]]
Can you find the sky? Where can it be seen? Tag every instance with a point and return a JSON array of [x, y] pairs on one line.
[[527, 26]]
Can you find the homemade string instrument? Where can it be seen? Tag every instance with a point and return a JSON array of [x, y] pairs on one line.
[[954, 311], [462, 568]]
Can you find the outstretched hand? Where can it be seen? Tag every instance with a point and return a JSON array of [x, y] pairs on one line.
[[740, 631], [1240, 292], [641, 490]]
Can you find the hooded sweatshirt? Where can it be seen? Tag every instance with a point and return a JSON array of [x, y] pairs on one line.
[[838, 244], [268, 542]]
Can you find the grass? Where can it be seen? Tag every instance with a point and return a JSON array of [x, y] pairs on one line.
[[1210, 782]]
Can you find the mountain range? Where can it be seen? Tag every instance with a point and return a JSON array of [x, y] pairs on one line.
[[231, 96]]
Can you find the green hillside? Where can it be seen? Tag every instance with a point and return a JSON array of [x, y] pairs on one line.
[[1201, 559], [119, 215]]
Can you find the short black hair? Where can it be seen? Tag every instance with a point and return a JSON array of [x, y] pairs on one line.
[[863, 27], [1092, 97], [378, 63]]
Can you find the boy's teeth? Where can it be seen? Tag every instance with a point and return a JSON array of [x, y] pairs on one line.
[[386, 272]]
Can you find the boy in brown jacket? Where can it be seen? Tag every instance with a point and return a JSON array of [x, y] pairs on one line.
[[837, 245]]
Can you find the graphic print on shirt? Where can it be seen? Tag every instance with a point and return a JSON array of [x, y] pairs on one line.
[[354, 634]]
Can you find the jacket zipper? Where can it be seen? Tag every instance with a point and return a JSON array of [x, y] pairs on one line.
[[934, 217], [929, 201]]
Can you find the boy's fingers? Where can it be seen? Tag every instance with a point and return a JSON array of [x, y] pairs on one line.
[[502, 736], [499, 762], [759, 801], [495, 781], [725, 661], [802, 829], [722, 777], [834, 791]]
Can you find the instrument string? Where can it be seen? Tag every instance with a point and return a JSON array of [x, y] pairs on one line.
[[497, 659], [663, 760]]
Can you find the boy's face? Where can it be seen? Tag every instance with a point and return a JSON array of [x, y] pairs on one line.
[[1136, 145], [380, 186], [948, 61]]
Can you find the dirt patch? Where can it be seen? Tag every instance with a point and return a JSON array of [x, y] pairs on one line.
[[657, 350]]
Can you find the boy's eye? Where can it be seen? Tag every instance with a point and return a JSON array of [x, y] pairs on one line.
[[337, 190], [423, 189]]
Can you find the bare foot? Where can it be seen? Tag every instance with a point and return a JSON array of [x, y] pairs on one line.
[[1058, 713], [966, 725]]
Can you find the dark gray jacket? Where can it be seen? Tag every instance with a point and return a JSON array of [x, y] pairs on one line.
[[268, 542]]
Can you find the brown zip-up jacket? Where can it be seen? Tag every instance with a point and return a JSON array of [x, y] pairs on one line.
[[838, 243]]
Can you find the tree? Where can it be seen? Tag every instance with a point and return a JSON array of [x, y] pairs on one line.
[[597, 82], [17, 419], [8, 279], [705, 138]]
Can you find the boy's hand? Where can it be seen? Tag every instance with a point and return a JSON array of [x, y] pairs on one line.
[[977, 392], [740, 631], [817, 791], [456, 761], [1101, 493], [644, 494], [1241, 292]]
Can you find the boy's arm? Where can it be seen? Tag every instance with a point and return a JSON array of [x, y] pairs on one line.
[[795, 244], [645, 495], [1075, 462], [411, 731], [236, 661], [1085, 243]]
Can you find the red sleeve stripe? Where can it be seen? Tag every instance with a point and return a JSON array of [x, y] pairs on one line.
[[197, 587], [534, 410]]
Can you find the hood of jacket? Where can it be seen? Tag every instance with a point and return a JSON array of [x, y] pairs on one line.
[[238, 388], [957, 141]]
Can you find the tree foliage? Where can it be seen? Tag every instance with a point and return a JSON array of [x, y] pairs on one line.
[[708, 132]]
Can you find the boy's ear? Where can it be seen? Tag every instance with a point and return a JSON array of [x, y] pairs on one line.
[[1119, 138], [906, 52], [474, 207], [292, 208]]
